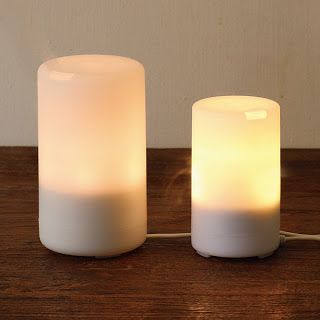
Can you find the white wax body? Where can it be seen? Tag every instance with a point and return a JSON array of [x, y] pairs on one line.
[[92, 158], [235, 176]]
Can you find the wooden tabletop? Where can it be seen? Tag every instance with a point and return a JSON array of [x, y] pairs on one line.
[[165, 278]]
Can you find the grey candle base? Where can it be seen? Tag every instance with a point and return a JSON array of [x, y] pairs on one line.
[[235, 234], [97, 226], [260, 257], [203, 254]]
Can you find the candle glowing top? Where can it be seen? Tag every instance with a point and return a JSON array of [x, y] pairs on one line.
[[236, 153], [91, 120], [88, 67]]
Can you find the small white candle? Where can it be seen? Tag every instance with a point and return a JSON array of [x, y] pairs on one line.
[[92, 160], [235, 176]]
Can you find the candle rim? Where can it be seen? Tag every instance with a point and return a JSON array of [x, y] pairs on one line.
[[83, 65], [223, 104]]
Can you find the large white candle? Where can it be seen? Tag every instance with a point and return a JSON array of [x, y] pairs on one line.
[[92, 161], [235, 176]]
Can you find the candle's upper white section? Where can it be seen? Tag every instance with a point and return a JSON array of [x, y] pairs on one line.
[[235, 105], [87, 67], [91, 114], [236, 153]]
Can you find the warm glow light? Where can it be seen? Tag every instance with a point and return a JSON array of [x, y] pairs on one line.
[[235, 161], [91, 124], [91, 121]]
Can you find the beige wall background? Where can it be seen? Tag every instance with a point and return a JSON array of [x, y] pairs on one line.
[[191, 49]]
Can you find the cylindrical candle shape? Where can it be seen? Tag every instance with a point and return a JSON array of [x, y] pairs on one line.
[[92, 160], [235, 176]]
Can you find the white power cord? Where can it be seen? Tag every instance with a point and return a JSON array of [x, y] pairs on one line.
[[284, 236], [168, 235], [286, 233]]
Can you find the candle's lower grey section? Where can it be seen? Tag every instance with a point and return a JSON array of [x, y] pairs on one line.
[[89, 225], [235, 234]]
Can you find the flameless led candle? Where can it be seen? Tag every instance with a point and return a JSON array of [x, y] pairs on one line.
[[235, 176], [92, 161]]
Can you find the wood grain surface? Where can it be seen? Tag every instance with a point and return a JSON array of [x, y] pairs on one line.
[[165, 278]]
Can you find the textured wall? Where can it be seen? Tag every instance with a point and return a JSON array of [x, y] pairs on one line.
[[190, 49]]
